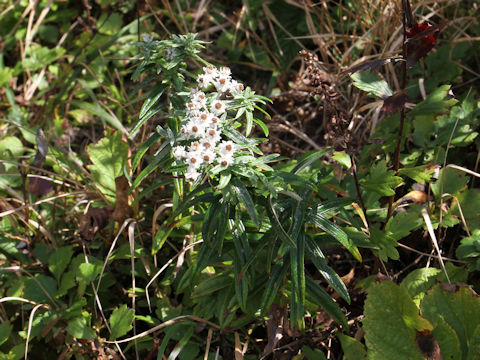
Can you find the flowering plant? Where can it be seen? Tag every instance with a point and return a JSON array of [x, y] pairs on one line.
[[206, 133]]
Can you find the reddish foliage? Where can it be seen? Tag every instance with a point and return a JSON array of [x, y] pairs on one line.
[[421, 39]]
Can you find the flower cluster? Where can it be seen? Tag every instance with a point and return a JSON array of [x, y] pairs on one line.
[[206, 115]]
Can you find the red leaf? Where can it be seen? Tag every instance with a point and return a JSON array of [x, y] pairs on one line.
[[395, 102], [421, 40]]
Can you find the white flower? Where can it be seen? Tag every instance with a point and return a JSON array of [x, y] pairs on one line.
[[212, 135], [194, 159], [199, 99], [204, 80], [214, 121], [222, 83], [194, 147], [207, 144], [192, 174], [217, 107], [225, 71], [235, 87], [195, 129], [179, 152], [225, 160], [209, 155], [227, 148], [210, 70], [204, 118]]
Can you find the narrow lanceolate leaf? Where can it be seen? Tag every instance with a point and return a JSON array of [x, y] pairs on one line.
[[144, 147], [315, 254], [246, 200], [273, 285], [147, 110], [277, 226], [339, 235], [320, 297], [308, 160], [241, 278]]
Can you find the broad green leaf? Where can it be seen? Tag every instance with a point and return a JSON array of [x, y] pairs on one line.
[[78, 327], [59, 260], [352, 348], [474, 345], [391, 322], [313, 354], [453, 181], [447, 340], [437, 102], [182, 343], [11, 147], [108, 156], [381, 180], [343, 159], [418, 281], [121, 321], [36, 289], [5, 330], [39, 56], [458, 306], [372, 84], [5, 75], [469, 250], [420, 174], [88, 272]]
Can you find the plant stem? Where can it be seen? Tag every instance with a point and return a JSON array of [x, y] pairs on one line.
[[357, 186], [396, 156]]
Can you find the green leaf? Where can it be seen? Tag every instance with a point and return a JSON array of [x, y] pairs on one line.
[[273, 285], [5, 75], [469, 250], [108, 157], [97, 110], [315, 254], [381, 180], [245, 198], [88, 272], [59, 260], [420, 174], [78, 327], [352, 348], [5, 331], [447, 340], [474, 345], [436, 103], [310, 159], [332, 229], [370, 82], [343, 159], [121, 321], [36, 289], [391, 322], [39, 56], [147, 110], [313, 354], [277, 226], [211, 285], [453, 181], [458, 306], [321, 298]]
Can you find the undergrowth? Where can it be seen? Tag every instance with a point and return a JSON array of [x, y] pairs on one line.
[[219, 180]]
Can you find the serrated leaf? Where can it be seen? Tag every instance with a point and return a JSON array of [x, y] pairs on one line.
[[390, 323], [381, 180], [59, 260], [121, 321], [78, 327], [88, 272], [458, 306], [420, 174], [436, 103], [108, 157], [372, 84]]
